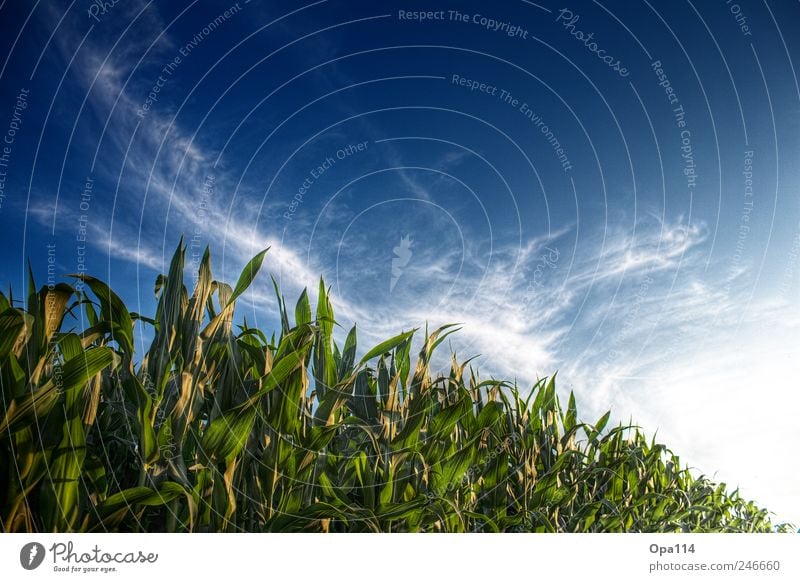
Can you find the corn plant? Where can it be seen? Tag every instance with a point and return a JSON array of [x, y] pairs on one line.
[[220, 427]]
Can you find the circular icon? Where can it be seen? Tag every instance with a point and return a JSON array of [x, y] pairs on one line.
[[31, 555]]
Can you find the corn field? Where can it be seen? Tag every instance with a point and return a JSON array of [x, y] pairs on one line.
[[219, 427]]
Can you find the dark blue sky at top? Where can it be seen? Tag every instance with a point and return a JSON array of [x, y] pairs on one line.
[[619, 271]]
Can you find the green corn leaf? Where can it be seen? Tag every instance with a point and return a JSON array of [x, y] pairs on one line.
[[11, 325], [572, 413], [248, 274], [61, 494], [71, 346], [302, 313], [387, 346], [113, 311], [226, 436], [348, 356], [79, 369], [324, 360]]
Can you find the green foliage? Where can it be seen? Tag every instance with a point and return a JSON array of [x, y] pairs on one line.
[[218, 429]]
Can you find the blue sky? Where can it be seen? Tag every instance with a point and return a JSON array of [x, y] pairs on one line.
[[610, 191]]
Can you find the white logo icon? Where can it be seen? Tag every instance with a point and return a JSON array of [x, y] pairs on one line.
[[402, 254]]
